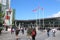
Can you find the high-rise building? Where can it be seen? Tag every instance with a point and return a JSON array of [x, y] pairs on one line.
[[5, 4], [8, 13], [0, 1], [8, 17]]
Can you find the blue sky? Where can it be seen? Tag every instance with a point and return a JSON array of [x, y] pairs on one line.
[[24, 8]]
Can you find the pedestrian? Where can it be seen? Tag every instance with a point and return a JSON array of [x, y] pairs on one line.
[[22, 30], [33, 33], [17, 32], [48, 30], [12, 30], [29, 30], [53, 32]]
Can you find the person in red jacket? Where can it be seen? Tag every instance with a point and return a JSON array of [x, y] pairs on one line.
[[33, 33]]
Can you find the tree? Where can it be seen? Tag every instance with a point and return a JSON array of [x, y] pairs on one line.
[[1, 20], [1, 14]]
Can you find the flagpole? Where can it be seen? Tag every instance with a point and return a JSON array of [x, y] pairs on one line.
[[43, 17], [36, 19], [35, 15], [39, 17]]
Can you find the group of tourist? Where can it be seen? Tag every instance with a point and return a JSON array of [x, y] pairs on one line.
[[31, 32], [51, 32]]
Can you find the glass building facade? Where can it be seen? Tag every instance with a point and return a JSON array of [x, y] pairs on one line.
[[48, 22]]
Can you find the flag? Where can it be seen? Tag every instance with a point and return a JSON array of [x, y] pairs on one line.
[[37, 9], [34, 10], [42, 9]]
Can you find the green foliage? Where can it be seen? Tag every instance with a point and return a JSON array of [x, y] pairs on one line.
[[1, 14], [0, 10]]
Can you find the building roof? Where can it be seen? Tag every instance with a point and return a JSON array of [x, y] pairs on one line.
[[38, 19]]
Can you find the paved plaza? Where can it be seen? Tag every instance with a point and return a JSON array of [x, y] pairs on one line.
[[6, 35]]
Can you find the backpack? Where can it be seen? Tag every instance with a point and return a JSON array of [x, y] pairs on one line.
[[53, 31], [33, 33], [12, 30]]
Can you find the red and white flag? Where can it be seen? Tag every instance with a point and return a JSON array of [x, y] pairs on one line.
[[34, 10], [37, 9]]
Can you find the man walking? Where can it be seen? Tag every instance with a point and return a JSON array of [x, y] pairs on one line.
[[17, 32], [48, 30]]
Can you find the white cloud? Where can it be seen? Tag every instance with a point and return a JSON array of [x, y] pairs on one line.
[[56, 14]]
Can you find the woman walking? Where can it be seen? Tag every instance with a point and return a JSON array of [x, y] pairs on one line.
[[33, 33]]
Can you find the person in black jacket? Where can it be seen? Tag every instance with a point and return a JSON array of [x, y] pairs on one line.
[[17, 32], [48, 30]]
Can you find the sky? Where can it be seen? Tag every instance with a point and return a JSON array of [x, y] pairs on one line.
[[24, 9]]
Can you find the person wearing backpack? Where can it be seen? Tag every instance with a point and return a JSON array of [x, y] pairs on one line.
[[33, 34], [29, 30], [53, 32]]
